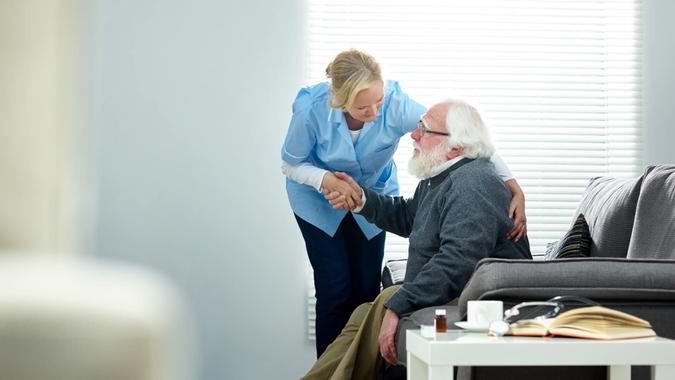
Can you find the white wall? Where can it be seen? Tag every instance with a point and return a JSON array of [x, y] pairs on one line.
[[189, 104], [659, 81]]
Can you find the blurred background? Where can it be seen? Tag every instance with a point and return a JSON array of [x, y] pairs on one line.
[[148, 133]]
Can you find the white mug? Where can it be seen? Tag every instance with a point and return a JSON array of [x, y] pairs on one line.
[[481, 313]]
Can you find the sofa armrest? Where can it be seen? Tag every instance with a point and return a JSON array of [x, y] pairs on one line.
[[418, 318], [611, 281]]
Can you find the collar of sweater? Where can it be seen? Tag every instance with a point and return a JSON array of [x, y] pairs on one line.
[[444, 169]]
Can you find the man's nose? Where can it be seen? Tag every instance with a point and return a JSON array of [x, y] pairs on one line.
[[415, 135]]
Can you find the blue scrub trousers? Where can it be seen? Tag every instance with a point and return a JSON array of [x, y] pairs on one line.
[[347, 269]]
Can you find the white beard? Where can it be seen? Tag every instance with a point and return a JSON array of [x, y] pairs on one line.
[[425, 164]]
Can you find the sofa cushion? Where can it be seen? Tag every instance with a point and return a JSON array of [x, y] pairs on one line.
[[653, 234], [393, 272], [601, 279], [608, 204], [551, 249], [575, 243]]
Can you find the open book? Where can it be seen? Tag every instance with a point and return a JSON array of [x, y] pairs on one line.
[[594, 322]]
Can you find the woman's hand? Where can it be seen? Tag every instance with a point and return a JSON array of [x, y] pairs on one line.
[[341, 191], [516, 211]]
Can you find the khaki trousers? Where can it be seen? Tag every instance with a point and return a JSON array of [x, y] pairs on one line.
[[355, 353]]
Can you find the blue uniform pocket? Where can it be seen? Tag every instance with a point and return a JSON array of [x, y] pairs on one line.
[[384, 176]]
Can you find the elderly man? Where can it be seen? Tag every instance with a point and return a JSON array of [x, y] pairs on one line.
[[457, 216]]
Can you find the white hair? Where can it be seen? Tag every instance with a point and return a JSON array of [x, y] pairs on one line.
[[467, 130]]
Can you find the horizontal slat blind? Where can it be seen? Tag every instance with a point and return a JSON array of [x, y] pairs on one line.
[[558, 80]]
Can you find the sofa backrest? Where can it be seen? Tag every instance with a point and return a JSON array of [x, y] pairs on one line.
[[653, 234], [609, 204]]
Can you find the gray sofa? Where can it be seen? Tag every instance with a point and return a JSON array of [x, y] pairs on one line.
[[631, 267]]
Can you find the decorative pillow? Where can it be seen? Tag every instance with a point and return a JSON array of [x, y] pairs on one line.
[[653, 235], [608, 204], [575, 243]]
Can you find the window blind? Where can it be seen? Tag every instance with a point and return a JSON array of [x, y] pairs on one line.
[[558, 82]]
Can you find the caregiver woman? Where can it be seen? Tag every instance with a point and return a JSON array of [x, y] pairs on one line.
[[352, 124]]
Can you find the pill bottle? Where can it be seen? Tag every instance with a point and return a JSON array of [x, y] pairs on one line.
[[441, 322]]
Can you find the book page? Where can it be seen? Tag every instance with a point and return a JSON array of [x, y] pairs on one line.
[[597, 317], [606, 334], [595, 322], [530, 327]]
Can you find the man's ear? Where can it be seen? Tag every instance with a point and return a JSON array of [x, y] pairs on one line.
[[455, 152]]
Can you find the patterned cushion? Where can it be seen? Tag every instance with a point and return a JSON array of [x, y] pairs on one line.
[[575, 243]]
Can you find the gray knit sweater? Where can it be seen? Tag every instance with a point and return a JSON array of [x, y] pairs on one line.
[[453, 220]]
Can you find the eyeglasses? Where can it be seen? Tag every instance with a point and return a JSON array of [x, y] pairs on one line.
[[537, 310], [423, 130]]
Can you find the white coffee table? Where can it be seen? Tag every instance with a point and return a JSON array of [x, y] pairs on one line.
[[435, 358]]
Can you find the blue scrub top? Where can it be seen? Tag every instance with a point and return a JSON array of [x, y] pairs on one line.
[[318, 135]]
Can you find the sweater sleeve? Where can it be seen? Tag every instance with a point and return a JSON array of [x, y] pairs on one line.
[[393, 214], [469, 231]]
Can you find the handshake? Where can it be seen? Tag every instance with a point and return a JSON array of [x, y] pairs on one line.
[[341, 191]]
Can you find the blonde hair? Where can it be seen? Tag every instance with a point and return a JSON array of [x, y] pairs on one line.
[[351, 72]]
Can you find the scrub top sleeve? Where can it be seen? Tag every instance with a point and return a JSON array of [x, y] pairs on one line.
[[501, 168], [404, 112], [300, 138], [413, 115]]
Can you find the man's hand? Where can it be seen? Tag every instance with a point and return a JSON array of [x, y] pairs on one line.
[[387, 335], [341, 191], [516, 211]]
